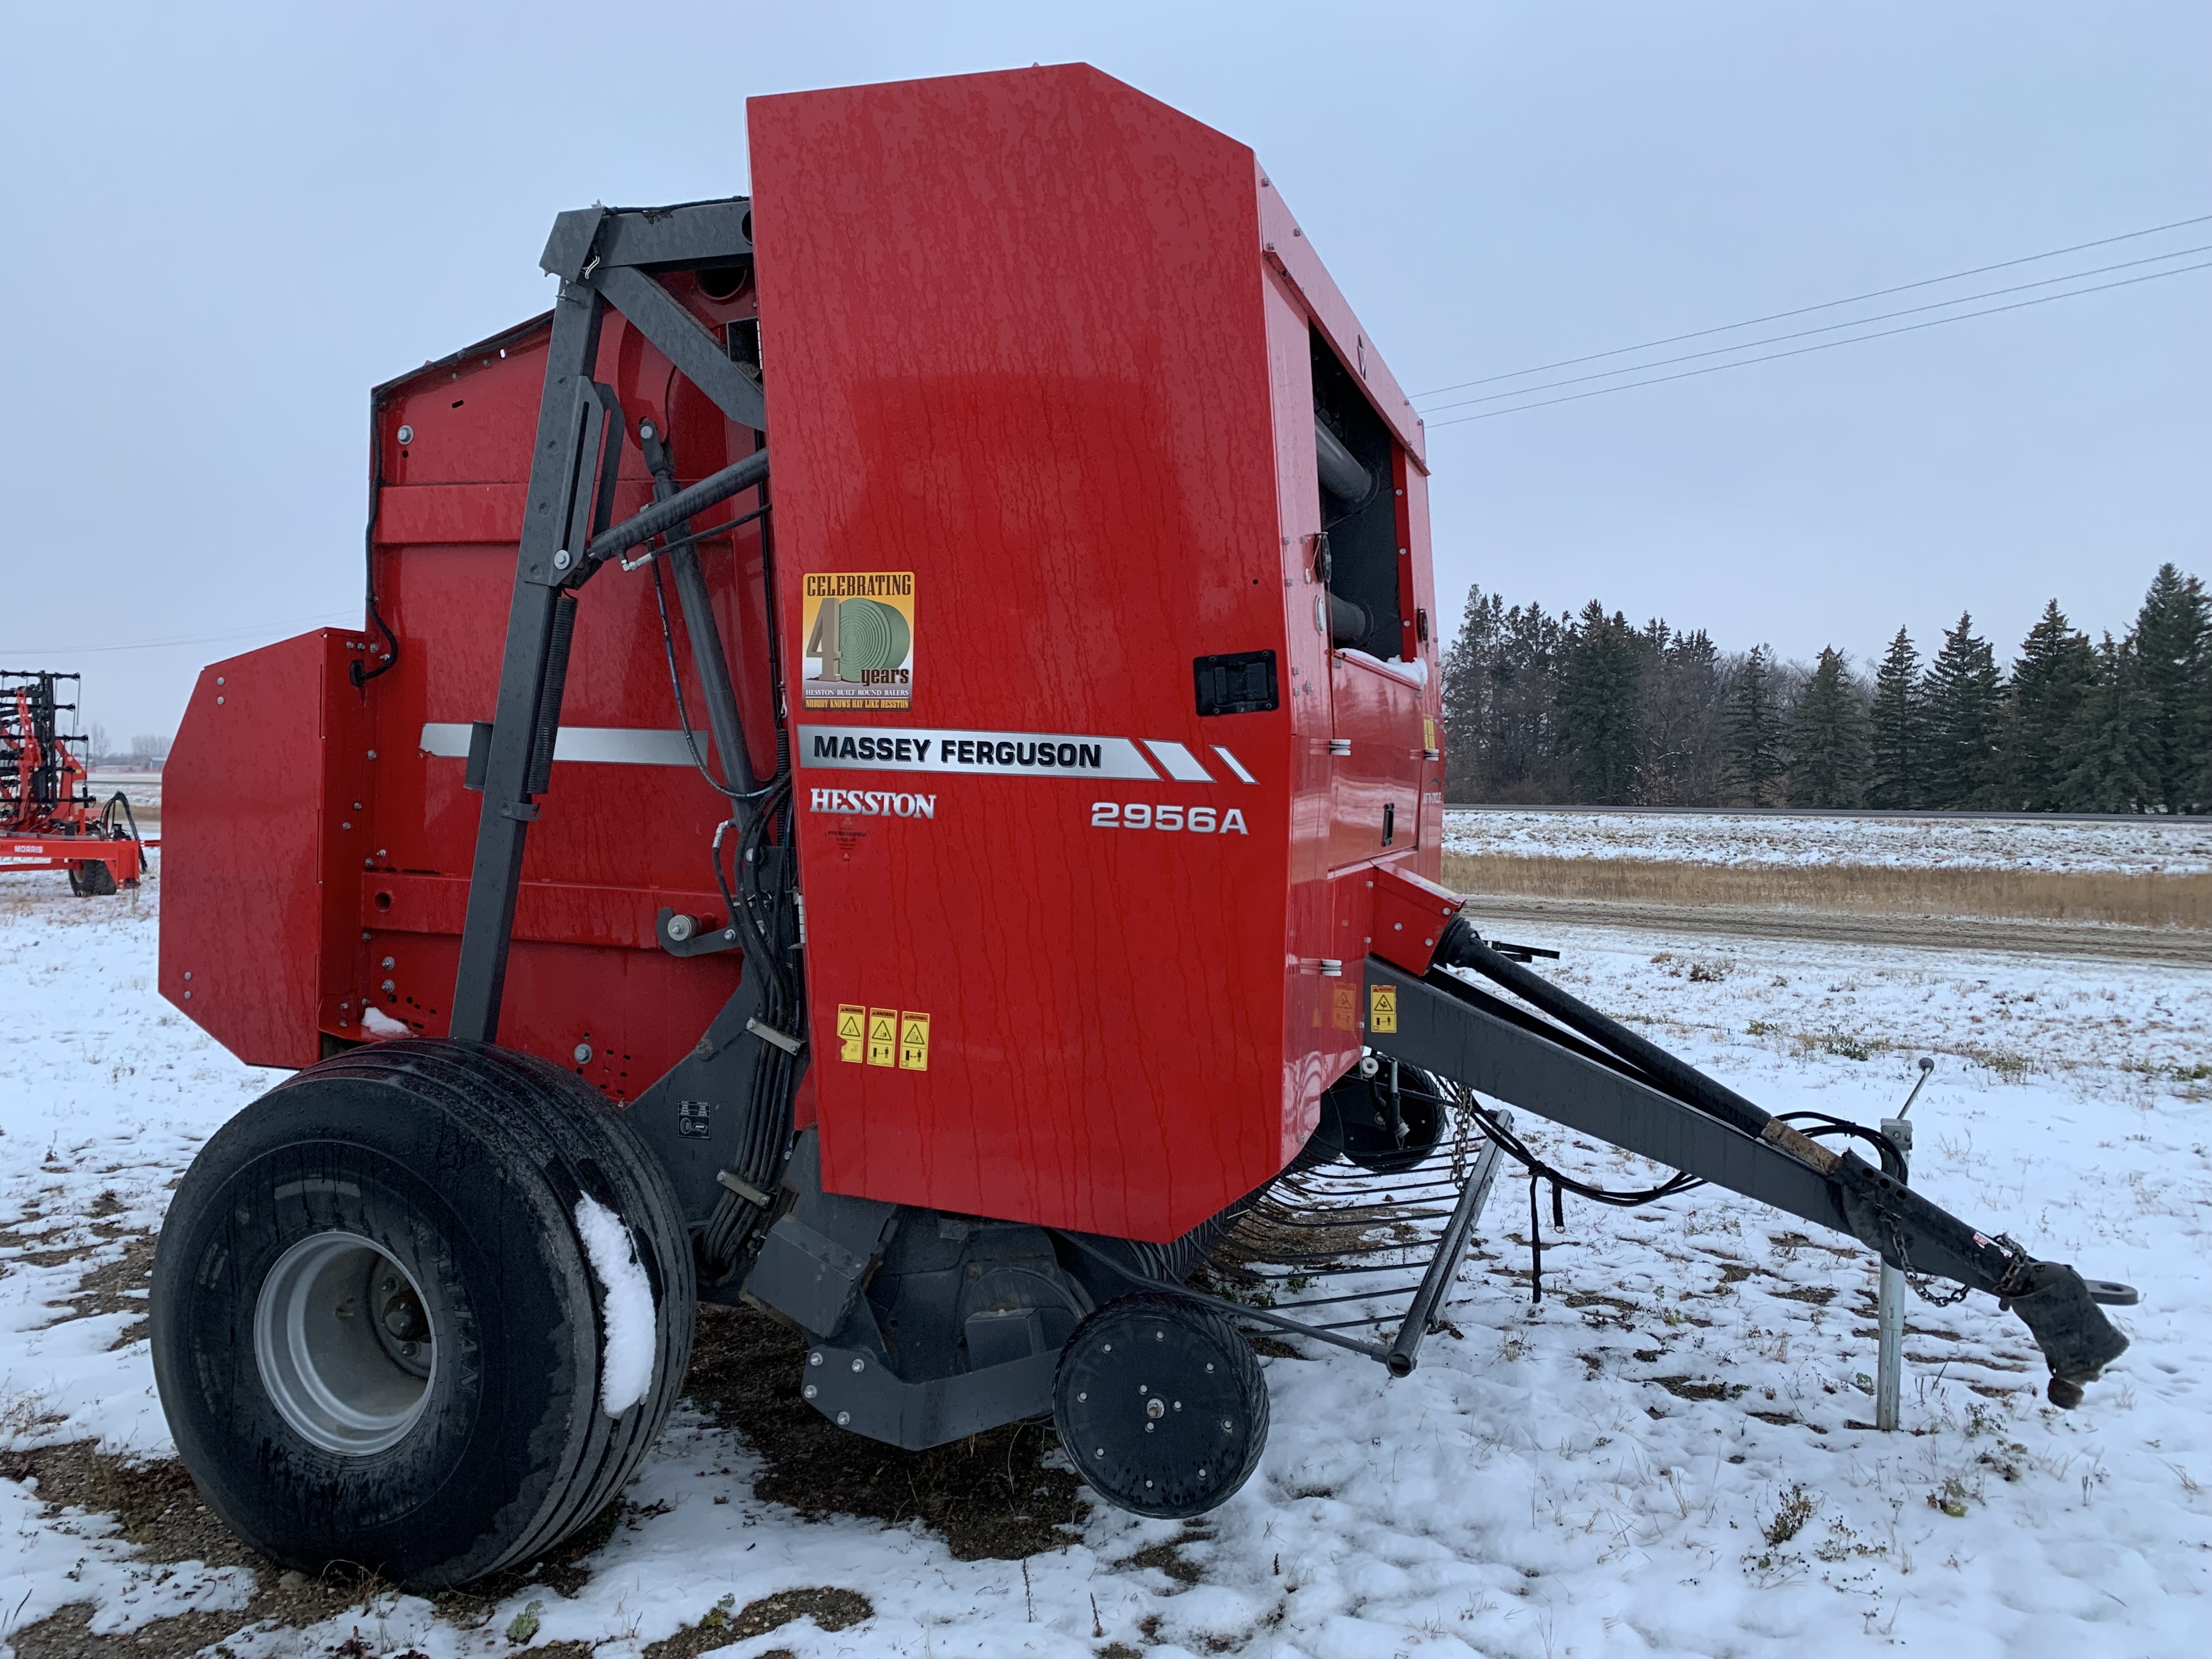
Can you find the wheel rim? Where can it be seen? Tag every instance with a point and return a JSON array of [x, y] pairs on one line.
[[345, 1344]]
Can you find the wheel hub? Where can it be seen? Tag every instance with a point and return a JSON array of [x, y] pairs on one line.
[[344, 1344]]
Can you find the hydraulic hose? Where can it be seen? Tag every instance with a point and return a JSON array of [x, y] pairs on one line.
[[683, 505]]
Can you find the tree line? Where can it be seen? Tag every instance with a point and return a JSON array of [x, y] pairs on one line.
[[1587, 707]]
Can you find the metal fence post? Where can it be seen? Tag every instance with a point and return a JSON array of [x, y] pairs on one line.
[[1889, 1365]]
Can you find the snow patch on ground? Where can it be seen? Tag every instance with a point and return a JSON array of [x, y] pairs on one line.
[[626, 1311], [1663, 1458], [2141, 845]]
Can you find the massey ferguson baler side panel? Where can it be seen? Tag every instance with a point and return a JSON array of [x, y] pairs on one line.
[[621, 835], [1017, 351], [1317, 1049], [1428, 858], [266, 825], [1375, 794], [1290, 251]]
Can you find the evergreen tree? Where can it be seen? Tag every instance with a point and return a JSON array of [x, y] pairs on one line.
[[1598, 706], [1500, 686], [1685, 703], [1966, 708], [2056, 670], [1754, 758], [1465, 685], [2170, 648], [2104, 755], [1828, 738], [1898, 723]]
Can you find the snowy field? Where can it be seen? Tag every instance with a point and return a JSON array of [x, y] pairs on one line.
[[1666, 1458], [2135, 845]]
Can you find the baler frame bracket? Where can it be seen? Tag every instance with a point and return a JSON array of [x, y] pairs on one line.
[[603, 257]]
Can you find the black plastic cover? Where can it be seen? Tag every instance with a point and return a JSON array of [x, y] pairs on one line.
[[1241, 683]]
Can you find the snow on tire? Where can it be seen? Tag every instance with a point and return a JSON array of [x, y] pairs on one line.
[[421, 1307]]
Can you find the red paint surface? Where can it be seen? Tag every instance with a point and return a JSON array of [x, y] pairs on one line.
[[1023, 339]]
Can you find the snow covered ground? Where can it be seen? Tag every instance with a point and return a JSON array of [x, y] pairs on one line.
[[2133, 844], [1662, 1458]]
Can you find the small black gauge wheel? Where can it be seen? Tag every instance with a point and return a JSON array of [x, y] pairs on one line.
[[1161, 1404]]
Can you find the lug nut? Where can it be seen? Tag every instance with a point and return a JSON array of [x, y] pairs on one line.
[[858, 1364], [843, 1418], [808, 1391]]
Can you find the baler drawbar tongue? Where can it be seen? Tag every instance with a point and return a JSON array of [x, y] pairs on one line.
[[1552, 1054]]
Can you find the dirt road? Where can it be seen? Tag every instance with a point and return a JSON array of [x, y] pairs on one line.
[[1523, 918]]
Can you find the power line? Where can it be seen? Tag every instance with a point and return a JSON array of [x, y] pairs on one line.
[[321, 618], [1826, 305], [1824, 345], [1826, 328]]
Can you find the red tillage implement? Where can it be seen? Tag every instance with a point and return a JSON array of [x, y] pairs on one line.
[[967, 891], [48, 819]]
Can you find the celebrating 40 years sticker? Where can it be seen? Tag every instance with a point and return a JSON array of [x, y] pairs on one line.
[[860, 639]]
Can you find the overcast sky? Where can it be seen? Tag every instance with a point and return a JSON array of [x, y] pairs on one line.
[[226, 223]]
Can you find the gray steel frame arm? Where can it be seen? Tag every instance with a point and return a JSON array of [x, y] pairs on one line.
[[1460, 1032]]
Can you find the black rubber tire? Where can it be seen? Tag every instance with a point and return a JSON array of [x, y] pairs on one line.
[[1213, 1415], [464, 1166], [91, 879]]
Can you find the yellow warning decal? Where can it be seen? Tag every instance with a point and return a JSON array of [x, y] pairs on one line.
[[851, 1025], [914, 1041], [1428, 732], [883, 1037], [1383, 1009], [1343, 1007]]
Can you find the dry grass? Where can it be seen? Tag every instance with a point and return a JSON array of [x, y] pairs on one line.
[[2139, 901]]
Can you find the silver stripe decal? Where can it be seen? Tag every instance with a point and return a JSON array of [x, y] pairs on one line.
[[1182, 765], [994, 753], [1234, 765], [606, 746]]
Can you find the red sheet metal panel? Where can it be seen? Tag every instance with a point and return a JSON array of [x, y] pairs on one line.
[[1036, 389], [587, 986], [258, 827], [1291, 252]]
